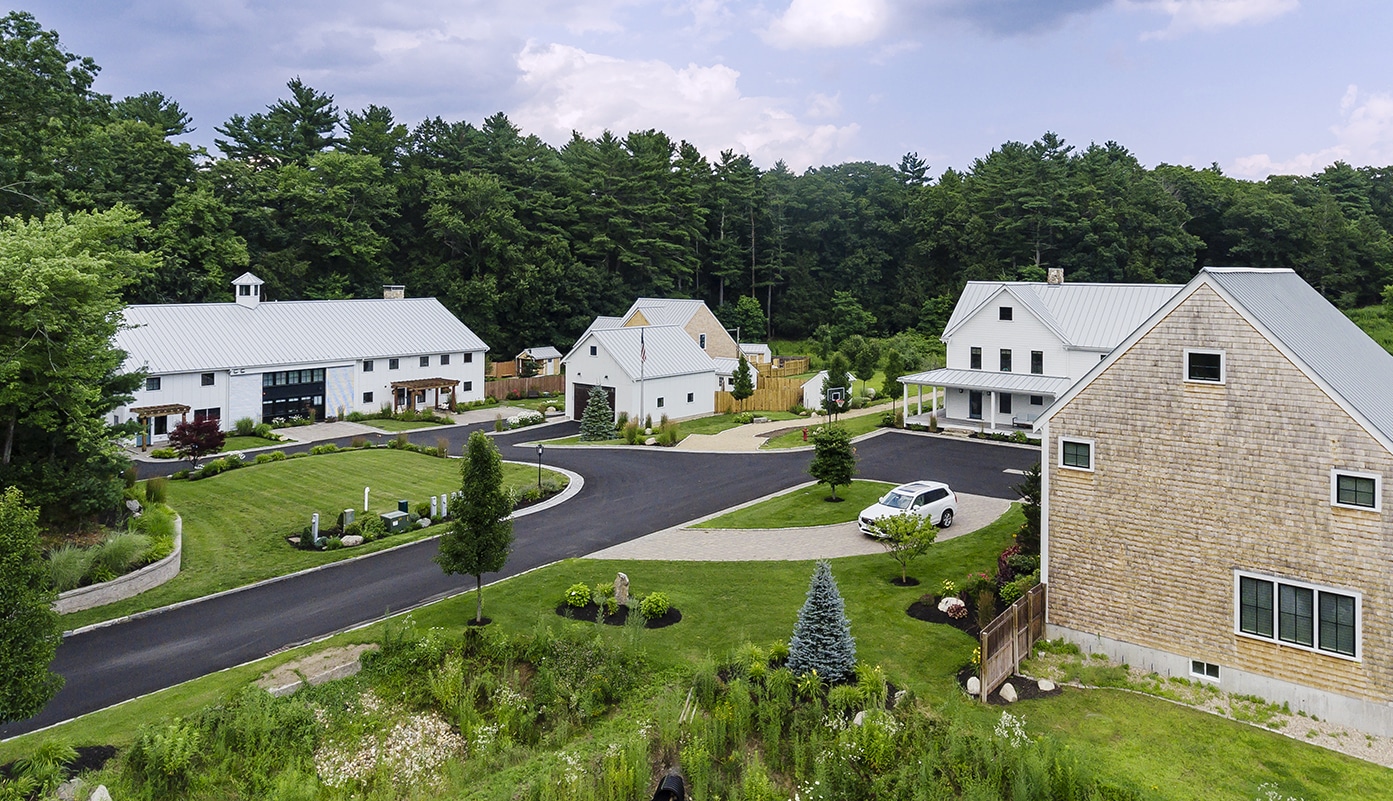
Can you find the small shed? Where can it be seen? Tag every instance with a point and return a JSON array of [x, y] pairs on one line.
[[548, 360]]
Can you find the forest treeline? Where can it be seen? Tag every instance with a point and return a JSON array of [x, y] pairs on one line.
[[527, 242]]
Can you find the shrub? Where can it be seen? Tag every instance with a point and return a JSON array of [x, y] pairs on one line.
[[986, 608], [157, 490], [373, 528], [498, 424], [164, 757], [164, 453], [442, 447], [744, 418], [278, 456], [117, 554], [130, 475], [158, 521], [974, 584], [578, 595], [423, 510], [1017, 587], [621, 421], [160, 547], [669, 433], [180, 475], [654, 605], [631, 432], [247, 427], [603, 591], [67, 566], [327, 447], [232, 461], [401, 440], [354, 529], [355, 417], [332, 543], [262, 458], [299, 455]]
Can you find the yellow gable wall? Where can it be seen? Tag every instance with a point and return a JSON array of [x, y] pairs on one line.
[[718, 342], [636, 318], [1193, 481]]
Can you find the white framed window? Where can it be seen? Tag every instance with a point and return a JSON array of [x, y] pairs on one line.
[[975, 359], [468, 358], [1203, 366], [367, 397], [1076, 454], [1204, 670], [152, 384], [367, 365], [594, 350], [205, 379], [660, 403], [691, 396], [1350, 489], [702, 341], [444, 359], [1004, 313], [425, 361], [1297, 614], [393, 364]]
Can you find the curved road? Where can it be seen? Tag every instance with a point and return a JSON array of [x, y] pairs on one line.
[[628, 493]]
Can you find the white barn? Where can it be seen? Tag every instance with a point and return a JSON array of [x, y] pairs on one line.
[[647, 370], [278, 360]]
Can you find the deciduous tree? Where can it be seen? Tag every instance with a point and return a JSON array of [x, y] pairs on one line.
[[905, 537], [196, 439], [834, 457], [29, 628], [481, 535]]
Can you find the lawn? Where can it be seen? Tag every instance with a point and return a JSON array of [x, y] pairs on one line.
[[1175, 751], [403, 425], [538, 404], [235, 523], [863, 424], [236, 443], [804, 507]]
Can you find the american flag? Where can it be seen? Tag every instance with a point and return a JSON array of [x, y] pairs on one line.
[[642, 348]]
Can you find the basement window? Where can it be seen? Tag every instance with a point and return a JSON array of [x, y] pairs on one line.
[[1204, 670]]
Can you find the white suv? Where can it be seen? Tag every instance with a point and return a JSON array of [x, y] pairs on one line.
[[931, 499]]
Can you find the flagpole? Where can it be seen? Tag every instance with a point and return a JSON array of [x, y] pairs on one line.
[[642, 363]]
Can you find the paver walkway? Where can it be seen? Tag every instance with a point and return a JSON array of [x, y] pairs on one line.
[[687, 544], [751, 436]]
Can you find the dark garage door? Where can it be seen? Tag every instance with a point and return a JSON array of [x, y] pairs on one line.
[[581, 396]]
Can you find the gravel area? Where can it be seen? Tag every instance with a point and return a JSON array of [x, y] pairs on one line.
[[683, 543]]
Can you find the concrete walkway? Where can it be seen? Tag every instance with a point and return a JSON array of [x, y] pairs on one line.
[[752, 436], [687, 543]]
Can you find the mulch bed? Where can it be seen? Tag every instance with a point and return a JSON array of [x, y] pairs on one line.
[[927, 611], [89, 757], [1027, 689], [908, 582], [591, 611]]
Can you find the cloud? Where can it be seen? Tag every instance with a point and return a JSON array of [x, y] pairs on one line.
[[828, 23], [1363, 137], [822, 106], [1206, 15], [570, 89]]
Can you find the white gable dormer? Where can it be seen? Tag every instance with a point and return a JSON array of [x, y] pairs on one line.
[[246, 288]]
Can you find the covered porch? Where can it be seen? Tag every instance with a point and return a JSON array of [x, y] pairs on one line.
[[149, 415], [412, 394], [976, 399]]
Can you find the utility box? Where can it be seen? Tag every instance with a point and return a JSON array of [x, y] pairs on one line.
[[404, 506], [396, 522], [345, 518]]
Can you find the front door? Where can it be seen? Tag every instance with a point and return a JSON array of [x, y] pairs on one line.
[[974, 405]]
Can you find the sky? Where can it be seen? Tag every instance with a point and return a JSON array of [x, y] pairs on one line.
[[1257, 86]]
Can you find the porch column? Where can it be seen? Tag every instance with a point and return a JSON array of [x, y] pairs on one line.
[[904, 391], [920, 402], [991, 410]]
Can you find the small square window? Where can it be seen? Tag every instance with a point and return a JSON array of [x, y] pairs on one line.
[[367, 397], [425, 361], [975, 359], [691, 397], [468, 385], [1076, 453], [468, 357], [1003, 313], [152, 384], [244, 290], [393, 364], [594, 350], [1037, 400], [660, 403], [206, 379], [1355, 490], [1005, 360], [367, 365], [444, 359], [1205, 366]]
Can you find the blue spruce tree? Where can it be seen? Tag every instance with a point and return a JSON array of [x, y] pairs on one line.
[[822, 636]]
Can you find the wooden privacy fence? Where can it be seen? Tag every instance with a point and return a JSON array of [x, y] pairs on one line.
[[506, 369], [783, 366], [543, 383], [772, 394], [1008, 639]]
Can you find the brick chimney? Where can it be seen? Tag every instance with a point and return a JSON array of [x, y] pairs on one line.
[[393, 292], [1054, 276]]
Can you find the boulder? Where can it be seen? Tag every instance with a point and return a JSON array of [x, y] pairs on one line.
[[1046, 686], [133, 506], [99, 794], [68, 790], [900, 695], [860, 719], [974, 685], [1008, 693], [651, 441], [423, 522], [352, 540], [760, 420], [621, 589], [947, 605]]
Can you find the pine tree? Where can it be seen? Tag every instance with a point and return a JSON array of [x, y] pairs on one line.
[[597, 421], [822, 636], [481, 536], [744, 383], [834, 457]]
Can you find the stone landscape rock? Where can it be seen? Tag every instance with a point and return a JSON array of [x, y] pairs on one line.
[[133, 506], [860, 718], [1008, 693], [900, 695], [352, 540], [1046, 686], [621, 589], [100, 794], [68, 790], [651, 441], [947, 605], [974, 685], [423, 522]]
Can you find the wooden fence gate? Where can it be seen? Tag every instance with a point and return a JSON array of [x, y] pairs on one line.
[[1008, 639]]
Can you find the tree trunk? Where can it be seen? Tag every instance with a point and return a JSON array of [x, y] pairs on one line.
[[479, 598], [9, 437]]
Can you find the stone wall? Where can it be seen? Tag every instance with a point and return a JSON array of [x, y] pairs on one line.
[[1194, 481], [129, 585]]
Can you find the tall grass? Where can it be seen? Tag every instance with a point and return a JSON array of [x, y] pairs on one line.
[[117, 554], [157, 490], [67, 566]]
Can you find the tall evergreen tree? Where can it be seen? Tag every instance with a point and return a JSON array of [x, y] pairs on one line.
[[822, 639], [834, 457], [597, 421], [744, 385], [481, 535], [29, 628]]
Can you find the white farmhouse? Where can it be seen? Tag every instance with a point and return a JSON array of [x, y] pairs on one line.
[[1015, 346], [273, 361]]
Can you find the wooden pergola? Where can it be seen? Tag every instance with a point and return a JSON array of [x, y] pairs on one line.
[[421, 384], [147, 414]]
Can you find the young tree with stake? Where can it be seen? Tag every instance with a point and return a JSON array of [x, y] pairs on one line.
[[481, 536], [905, 537]]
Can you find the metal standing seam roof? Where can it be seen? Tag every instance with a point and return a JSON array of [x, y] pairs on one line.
[[190, 337], [670, 351], [547, 352], [1332, 347], [599, 324], [665, 311], [1023, 383], [727, 366], [1091, 316]]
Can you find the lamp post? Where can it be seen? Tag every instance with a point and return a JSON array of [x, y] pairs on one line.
[[540, 448]]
